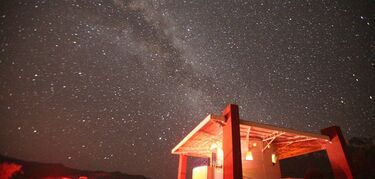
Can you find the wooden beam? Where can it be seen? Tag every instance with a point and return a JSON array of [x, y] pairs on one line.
[[273, 136], [192, 133], [281, 129], [182, 167], [337, 154], [232, 166]]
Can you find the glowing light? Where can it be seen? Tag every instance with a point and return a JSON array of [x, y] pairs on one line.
[[249, 155], [213, 146], [200, 172], [220, 154], [220, 157], [274, 158], [7, 170], [254, 144]]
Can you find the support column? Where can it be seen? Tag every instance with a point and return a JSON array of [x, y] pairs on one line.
[[232, 166], [337, 153], [182, 167]]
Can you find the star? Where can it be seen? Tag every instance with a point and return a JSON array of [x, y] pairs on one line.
[[116, 84]]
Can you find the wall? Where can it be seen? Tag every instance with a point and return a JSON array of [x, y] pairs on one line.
[[261, 166]]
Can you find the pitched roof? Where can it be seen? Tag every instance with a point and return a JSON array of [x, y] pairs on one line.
[[288, 142]]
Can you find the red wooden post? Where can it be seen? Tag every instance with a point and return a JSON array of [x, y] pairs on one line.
[[337, 153], [232, 167], [182, 167]]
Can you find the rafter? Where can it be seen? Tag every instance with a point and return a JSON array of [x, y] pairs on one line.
[[277, 134]]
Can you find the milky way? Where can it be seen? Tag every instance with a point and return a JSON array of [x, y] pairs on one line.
[[114, 85]]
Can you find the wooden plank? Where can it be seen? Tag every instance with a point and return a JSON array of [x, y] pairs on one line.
[[192, 133], [281, 129]]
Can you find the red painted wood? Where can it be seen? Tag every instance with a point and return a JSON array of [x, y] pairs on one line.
[[232, 166], [337, 154], [182, 167]]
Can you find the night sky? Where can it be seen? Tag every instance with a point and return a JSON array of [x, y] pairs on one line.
[[114, 85]]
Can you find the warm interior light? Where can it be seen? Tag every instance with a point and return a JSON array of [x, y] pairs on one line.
[[213, 146], [254, 144], [249, 155], [200, 172], [220, 157], [274, 158], [220, 154]]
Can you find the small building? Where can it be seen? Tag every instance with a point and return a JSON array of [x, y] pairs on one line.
[[239, 148]]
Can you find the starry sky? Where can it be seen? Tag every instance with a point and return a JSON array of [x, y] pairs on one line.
[[115, 85]]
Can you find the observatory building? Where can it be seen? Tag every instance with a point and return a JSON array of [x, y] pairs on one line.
[[239, 148]]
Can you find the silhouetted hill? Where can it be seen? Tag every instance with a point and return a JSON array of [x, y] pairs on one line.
[[35, 170]]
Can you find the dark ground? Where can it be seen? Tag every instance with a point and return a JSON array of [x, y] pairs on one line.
[[38, 170]]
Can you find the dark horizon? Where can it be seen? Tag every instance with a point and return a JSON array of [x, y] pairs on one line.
[[115, 85], [316, 164]]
